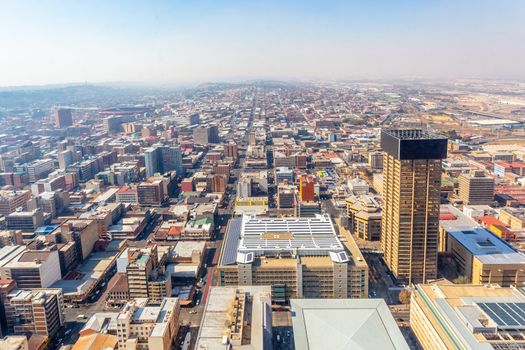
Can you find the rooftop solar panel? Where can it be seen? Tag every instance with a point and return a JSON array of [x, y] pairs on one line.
[[505, 315]]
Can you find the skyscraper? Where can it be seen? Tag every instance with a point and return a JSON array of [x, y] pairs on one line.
[[152, 161], [411, 197], [204, 135], [63, 118], [161, 159]]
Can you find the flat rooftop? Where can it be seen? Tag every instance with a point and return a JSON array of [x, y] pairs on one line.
[[487, 247], [218, 314], [320, 324], [261, 236]]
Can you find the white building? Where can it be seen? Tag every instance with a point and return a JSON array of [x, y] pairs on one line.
[[141, 326]]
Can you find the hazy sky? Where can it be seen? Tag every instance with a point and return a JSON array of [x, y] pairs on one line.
[[170, 41]]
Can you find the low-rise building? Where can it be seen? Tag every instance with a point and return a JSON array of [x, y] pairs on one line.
[[485, 258], [237, 318], [345, 324], [364, 217], [446, 316]]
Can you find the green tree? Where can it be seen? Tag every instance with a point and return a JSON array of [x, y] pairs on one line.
[[404, 296], [462, 280]]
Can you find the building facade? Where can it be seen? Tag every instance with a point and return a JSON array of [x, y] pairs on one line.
[[411, 197]]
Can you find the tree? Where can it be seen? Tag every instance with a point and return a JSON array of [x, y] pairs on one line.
[[404, 296], [462, 280]]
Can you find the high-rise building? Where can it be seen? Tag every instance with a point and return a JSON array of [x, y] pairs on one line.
[[151, 193], [411, 197], [11, 200], [152, 161], [38, 169], [476, 188], [286, 198], [206, 134], [146, 273], [194, 119], [30, 268], [244, 187], [307, 188], [375, 160], [231, 150], [217, 183], [37, 311], [172, 159], [65, 158], [63, 118], [364, 217], [252, 141], [162, 159], [25, 221]]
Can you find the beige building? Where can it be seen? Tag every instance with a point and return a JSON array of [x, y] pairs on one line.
[[38, 311], [446, 316], [142, 327], [485, 258], [11, 200], [411, 197], [476, 188], [240, 316], [146, 273], [514, 217], [298, 257], [364, 217], [82, 231]]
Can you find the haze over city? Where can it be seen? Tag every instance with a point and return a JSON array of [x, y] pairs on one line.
[[262, 175], [188, 42]]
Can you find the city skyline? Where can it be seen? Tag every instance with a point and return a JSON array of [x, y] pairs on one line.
[[180, 43]]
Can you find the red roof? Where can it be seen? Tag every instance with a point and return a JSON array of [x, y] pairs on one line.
[[447, 216], [491, 220], [175, 230]]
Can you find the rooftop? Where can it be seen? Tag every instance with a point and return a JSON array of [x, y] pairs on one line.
[[350, 323], [259, 236], [487, 247]]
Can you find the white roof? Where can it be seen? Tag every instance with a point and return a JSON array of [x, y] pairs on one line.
[[344, 324]]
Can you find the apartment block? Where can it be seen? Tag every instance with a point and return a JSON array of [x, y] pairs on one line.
[[36, 311]]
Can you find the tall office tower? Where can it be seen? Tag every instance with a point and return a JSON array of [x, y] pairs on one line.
[[172, 159], [65, 158], [161, 159], [252, 141], [411, 197], [476, 188], [194, 119], [152, 161], [231, 151], [213, 134], [204, 135], [63, 118]]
